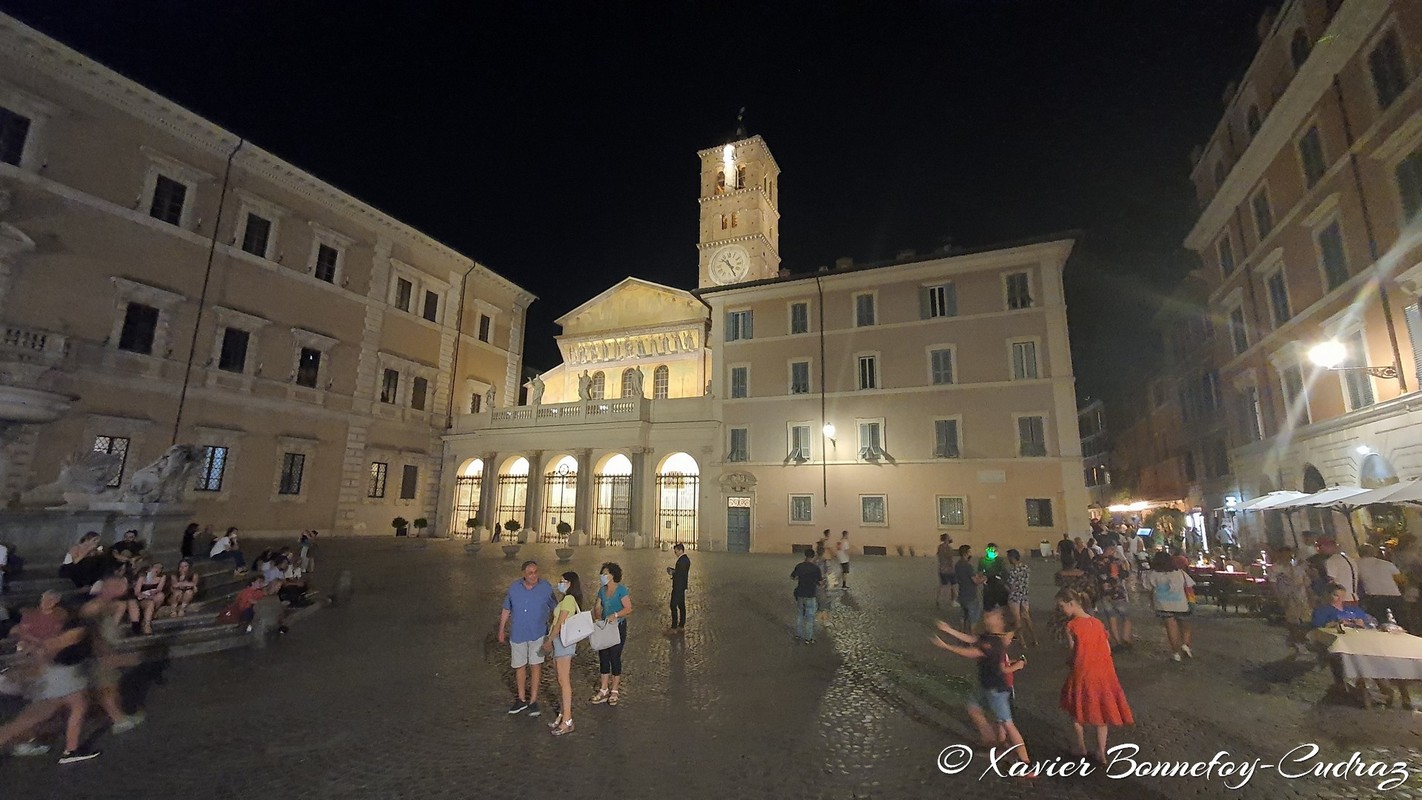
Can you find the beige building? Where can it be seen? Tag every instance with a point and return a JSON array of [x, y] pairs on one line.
[[897, 401], [163, 281], [1309, 191]]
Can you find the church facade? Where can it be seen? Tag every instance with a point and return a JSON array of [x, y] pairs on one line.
[[897, 401]]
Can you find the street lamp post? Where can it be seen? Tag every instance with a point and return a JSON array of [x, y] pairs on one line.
[[1330, 355]]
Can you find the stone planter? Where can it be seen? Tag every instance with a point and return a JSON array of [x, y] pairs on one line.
[[523, 534], [511, 550], [472, 548], [577, 539], [565, 554]]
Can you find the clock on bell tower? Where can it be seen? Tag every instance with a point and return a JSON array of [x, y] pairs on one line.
[[740, 226]]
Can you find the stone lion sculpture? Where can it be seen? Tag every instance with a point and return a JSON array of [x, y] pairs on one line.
[[165, 479], [84, 473]]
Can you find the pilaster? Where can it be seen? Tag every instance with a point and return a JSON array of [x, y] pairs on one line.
[[582, 508], [533, 498]]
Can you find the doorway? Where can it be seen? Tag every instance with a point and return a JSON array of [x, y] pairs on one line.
[[738, 530]]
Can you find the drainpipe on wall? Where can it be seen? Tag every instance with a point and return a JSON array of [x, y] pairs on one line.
[[458, 333], [202, 298], [824, 455]]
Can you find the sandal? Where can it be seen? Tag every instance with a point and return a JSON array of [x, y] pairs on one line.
[[566, 727], [555, 723], [600, 697], [612, 701]]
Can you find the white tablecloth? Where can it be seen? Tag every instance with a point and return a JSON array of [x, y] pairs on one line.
[[1375, 654]]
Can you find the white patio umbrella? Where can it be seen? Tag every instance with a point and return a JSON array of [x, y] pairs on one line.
[[1326, 497], [1272, 499]]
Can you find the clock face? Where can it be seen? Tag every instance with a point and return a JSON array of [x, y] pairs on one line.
[[730, 264]]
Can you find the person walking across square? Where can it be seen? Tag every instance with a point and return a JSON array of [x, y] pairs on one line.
[[528, 604], [1092, 693], [807, 579], [842, 552]]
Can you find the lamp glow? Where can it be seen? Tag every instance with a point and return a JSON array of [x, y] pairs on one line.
[[728, 160], [1364, 450], [828, 429], [1328, 354]]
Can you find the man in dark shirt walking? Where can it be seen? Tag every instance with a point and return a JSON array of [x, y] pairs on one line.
[[807, 577], [680, 574]]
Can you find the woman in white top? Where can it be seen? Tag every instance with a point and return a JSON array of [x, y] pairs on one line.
[[1378, 584], [1171, 590], [225, 548]]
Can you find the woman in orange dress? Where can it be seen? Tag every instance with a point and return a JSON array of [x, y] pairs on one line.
[[1092, 693]]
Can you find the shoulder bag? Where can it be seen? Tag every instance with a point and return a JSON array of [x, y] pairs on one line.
[[605, 635], [576, 628]]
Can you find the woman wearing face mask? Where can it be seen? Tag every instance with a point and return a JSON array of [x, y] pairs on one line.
[[614, 605], [570, 603]]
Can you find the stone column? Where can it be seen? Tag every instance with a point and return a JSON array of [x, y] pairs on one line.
[[489, 494], [638, 494], [533, 498], [583, 505]]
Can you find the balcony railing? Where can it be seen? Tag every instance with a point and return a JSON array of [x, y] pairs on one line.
[[33, 346], [571, 413]]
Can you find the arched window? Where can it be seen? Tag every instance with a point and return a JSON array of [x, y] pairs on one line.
[[661, 382], [723, 222], [627, 382], [1252, 121], [1299, 48], [741, 176], [599, 385], [720, 181]]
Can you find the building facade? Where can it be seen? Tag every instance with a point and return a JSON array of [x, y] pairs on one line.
[[1309, 190], [1095, 453], [164, 281], [897, 401]]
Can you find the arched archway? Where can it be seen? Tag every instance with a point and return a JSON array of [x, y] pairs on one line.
[[1320, 520], [560, 498], [512, 498], [678, 487], [468, 484], [612, 495]]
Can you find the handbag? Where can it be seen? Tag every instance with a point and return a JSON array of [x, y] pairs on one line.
[[605, 636], [576, 628]]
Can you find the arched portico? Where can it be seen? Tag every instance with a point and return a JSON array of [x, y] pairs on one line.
[[468, 490], [612, 493], [560, 497], [678, 489]]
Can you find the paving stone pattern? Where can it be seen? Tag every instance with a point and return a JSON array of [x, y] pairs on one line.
[[403, 692]]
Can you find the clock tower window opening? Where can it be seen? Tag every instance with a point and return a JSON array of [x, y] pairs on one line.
[[741, 177], [720, 182]]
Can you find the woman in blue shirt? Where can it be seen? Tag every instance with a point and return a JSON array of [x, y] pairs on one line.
[[614, 605]]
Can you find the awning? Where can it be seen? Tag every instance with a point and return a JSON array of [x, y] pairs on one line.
[[1271, 500], [1326, 497], [1404, 492]]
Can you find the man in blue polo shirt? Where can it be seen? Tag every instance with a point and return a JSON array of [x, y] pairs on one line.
[[529, 603]]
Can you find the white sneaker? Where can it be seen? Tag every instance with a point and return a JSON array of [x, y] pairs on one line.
[[1174, 656], [128, 723], [29, 749], [1185, 648]]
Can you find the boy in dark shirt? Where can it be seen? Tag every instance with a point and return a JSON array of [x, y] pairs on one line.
[[994, 679], [807, 577], [680, 574]]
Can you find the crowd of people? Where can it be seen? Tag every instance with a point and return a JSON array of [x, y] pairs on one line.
[[69, 646]]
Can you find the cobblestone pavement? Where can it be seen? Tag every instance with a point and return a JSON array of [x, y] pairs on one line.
[[403, 693]]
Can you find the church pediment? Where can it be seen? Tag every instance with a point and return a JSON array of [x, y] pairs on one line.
[[633, 304]]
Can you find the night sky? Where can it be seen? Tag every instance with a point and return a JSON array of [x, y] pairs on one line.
[[556, 141]]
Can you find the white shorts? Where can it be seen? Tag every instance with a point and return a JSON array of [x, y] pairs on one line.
[[525, 653]]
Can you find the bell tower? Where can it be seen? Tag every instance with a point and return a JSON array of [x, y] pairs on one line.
[[740, 226]]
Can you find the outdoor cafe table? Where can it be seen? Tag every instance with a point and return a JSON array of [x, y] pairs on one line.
[[1377, 654]]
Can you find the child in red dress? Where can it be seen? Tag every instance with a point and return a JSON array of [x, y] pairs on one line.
[[1092, 693]]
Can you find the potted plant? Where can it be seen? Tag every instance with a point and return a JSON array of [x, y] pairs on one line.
[[400, 524], [472, 525], [565, 553], [512, 526], [420, 524]]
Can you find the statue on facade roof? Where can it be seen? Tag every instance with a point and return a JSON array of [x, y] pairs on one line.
[[585, 386], [535, 391], [637, 378], [490, 396]]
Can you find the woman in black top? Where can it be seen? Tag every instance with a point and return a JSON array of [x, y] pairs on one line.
[[189, 534]]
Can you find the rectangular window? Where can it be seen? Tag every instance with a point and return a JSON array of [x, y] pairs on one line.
[[1279, 299], [871, 440], [740, 382], [738, 325], [1024, 361], [308, 367], [945, 438], [1019, 291], [1335, 259], [116, 445], [168, 198], [1250, 423], [868, 372], [389, 385], [404, 293], [1039, 512], [799, 377], [1388, 70], [409, 480], [233, 357], [799, 442], [326, 259], [1226, 254], [214, 466], [799, 318], [939, 301], [14, 128], [1409, 185], [940, 366], [1311, 157], [1263, 215], [740, 445], [486, 323], [1031, 436], [379, 470], [418, 390], [873, 509], [1295, 400], [1238, 334], [431, 306], [1359, 384], [952, 512], [292, 467], [256, 234], [864, 310], [140, 327], [476, 403], [800, 507]]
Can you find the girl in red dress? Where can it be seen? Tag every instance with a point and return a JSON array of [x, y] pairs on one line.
[[1092, 693]]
